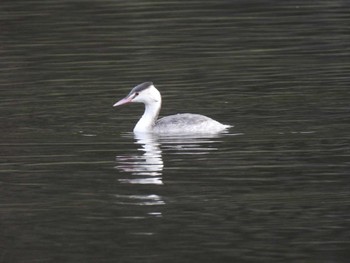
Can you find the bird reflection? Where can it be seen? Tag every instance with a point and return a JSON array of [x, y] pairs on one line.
[[148, 166]]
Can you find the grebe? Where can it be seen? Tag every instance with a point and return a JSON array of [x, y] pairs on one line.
[[185, 123]]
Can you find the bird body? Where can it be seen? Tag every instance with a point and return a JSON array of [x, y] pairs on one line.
[[185, 123]]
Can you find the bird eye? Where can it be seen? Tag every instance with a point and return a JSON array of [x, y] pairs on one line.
[[135, 95]]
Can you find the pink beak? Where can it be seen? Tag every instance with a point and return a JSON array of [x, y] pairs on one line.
[[122, 101]]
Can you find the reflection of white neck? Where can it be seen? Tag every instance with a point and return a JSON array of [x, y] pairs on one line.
[[146, 168], [149, 117], [153, 162]]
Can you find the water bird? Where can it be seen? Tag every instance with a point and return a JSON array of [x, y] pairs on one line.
[[184, 123]]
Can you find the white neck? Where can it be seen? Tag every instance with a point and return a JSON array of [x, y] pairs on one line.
[[149, 117]]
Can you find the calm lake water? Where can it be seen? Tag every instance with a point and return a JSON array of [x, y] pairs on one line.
[[77, 186]]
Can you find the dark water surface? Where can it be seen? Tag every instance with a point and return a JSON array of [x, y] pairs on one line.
[[77, 186]]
